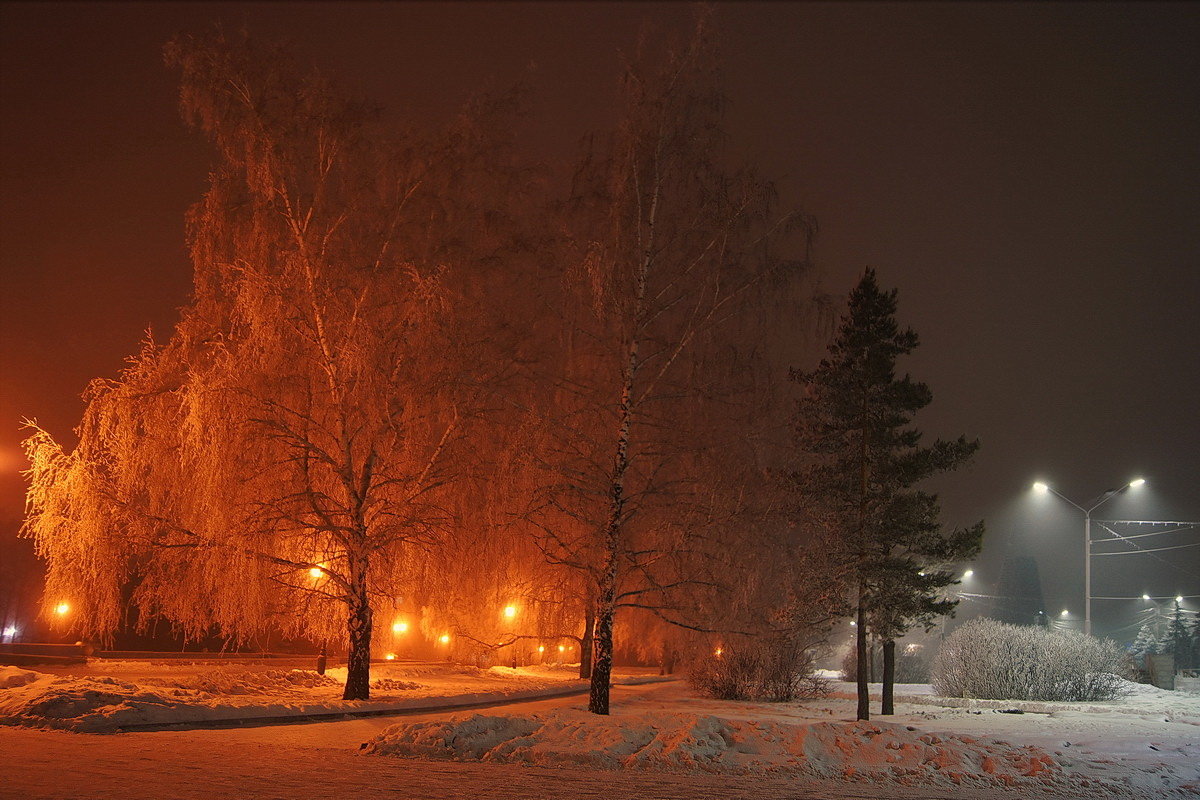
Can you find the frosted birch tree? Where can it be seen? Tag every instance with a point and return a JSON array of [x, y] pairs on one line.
[[652, 401], [285, 459]]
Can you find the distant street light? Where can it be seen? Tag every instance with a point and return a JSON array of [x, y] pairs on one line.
[[968, 574], [1042, 488], [61, 609], [510, 611]]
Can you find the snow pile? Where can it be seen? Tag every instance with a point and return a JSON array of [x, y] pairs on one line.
[[394, 685], [191, 694], [687, 742], [251, 681], [12, 677]]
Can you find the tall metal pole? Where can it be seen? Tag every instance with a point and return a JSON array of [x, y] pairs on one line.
[[1087, 573]]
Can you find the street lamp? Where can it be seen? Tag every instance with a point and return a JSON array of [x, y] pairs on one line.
[[1042, 488]]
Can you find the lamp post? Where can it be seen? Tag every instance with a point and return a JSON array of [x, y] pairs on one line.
[[1042, 488]]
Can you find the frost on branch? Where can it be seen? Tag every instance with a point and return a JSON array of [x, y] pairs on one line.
[[992, 660]]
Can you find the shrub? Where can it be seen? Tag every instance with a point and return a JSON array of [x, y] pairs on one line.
[[759, 669], [992, 660]]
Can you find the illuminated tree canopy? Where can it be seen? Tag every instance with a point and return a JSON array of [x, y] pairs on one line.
[[413, 389]]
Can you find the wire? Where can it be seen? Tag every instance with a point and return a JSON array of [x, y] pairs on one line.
[[1174, 566], [1139, 597], [1147, 522], [1141, 550], [1140, 535]]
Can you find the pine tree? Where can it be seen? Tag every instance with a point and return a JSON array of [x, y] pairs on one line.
[[1195, 664], [1146, 641], [864, 459], [1177, 639]]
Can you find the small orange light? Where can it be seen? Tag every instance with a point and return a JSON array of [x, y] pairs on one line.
[[510, 611], [561, 648], [315, 572], [718, 652], [390, 656], [445, 638], [541, 648], [62, 608], [399, 627]]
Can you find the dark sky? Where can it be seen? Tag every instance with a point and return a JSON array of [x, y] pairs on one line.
[[1027, 175]]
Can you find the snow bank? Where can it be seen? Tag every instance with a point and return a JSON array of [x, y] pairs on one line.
[[689, 742], [101, 702], [11, 677]]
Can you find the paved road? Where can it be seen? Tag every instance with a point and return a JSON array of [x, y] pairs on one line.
[[321, 760]]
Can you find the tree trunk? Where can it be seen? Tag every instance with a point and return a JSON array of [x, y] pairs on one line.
[[586, 643], [602, 668], [889, 676], [864, 698], [870, 660], [358, 665]]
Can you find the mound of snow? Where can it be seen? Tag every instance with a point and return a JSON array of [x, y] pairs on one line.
[[12, 677], [394, 685], [687, 742], [252, 681]]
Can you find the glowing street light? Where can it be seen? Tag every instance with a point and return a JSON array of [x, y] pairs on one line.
[[1178, 598], [390, 657], [399, 627], [445, 638], [510, 611], [62, 608], [1145, 596], [968, 574], [1064, 613], [316, 572], [1042, 488]]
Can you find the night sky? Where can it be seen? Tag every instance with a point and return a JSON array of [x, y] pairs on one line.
[[1028, 176]]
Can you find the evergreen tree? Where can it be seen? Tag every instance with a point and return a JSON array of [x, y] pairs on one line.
[[863, 460], [1196, 642], [1146, 641], [1176, 639]]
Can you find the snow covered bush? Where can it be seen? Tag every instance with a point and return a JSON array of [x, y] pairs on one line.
[[992, 660], [759, 669]]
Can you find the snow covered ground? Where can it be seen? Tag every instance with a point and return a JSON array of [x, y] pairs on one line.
[[660, 742], [1146, 745], [104, 696]]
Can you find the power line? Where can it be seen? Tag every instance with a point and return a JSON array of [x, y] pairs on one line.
[[1185, 523], [1170, 564], [1140, 535], [1141, 550], [1140, 597]]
